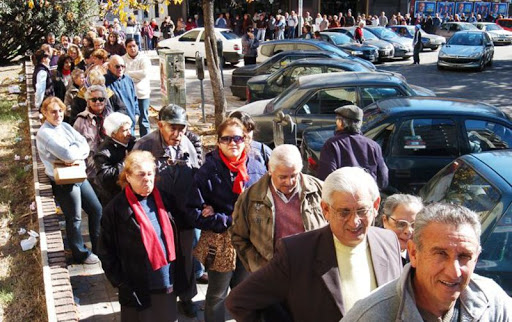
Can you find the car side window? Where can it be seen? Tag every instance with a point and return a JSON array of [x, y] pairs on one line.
[[191, 36], [484, 136], [445, 27], [280, 64], [454, 28], [370, 95], [303, 71], [427, 137], [267, 50], [282, 47], [381, 135], [306, 47], [334, 70], [327, 100]]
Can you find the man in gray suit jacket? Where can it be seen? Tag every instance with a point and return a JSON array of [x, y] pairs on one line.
[[319, 275]]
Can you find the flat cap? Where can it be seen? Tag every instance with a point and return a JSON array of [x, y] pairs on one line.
[[173, 114], [351, 112]]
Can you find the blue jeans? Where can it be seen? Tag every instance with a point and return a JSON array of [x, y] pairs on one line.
[[218, 284], [72, 198], [291, 32], [144, 127], [198, 267]]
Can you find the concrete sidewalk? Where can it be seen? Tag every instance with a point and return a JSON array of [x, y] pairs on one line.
[[96, 299]]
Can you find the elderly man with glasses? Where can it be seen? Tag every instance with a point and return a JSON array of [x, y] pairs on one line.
[[318, 275], [123, 86]]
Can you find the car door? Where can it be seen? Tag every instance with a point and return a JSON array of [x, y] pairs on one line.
[[420, 147], [489, 47], [189, 43]]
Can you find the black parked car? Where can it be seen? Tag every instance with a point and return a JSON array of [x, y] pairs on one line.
[[269, 86], [386, 49], [241, 75], [350, 46], [420, 135], [311, 100], [482, 182]]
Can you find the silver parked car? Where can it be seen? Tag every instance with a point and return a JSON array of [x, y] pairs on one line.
[[427, 40], [447, 29], [498, 34], [467, 49], [402, 45]]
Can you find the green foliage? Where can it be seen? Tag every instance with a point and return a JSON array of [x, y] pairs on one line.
[[25, 23]]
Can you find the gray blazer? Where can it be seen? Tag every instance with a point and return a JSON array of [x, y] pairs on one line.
[[304, 275]]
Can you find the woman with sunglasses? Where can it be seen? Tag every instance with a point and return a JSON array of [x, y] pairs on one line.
[[226, 172], [398, 214]]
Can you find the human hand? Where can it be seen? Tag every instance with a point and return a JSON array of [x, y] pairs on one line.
[[207, 211]]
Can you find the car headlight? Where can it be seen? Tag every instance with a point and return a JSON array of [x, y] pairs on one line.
[[442, 55], [400, 46], [356, 53], [476, 55]]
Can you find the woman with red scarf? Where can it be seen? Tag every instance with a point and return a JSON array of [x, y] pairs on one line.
[[226, 172], [137, 244]]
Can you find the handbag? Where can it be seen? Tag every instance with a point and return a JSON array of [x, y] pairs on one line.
[[68, 174], [215, 251]]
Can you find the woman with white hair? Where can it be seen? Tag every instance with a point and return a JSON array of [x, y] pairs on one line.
[[109, 158]]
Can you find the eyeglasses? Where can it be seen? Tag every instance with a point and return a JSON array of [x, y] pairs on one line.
[[228, 139], [362, 213], [97, 99], [120, 66], [402, 224]]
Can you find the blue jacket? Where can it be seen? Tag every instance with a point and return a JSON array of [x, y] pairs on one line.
[[353, 150], [125, 89], [213, 187]]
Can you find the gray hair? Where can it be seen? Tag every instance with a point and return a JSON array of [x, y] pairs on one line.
[[446, 214], [287, 155], [114, 121], [95, 88], [393, 201], [350, 125], [349, 180]]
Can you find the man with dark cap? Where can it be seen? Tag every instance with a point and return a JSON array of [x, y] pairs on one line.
[[349, 148], [177, 161]]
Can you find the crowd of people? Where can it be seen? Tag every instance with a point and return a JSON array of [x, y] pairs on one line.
[[163, 215]]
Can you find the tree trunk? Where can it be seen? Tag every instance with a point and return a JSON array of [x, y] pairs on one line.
[[213, 63]]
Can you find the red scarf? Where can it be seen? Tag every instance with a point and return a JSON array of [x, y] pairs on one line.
[[237, 166], [149, 237]]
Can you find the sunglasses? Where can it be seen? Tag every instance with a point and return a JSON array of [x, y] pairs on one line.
[[120, 66], [97, 99], [228, 139]]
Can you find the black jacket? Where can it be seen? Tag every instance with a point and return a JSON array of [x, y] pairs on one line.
[[123, 255], [109, 162]]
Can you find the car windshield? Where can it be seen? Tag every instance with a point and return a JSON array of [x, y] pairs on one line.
[[492, 26], [466, 39], [368, 35], [228, 34], [340, 39], [384, 33], [468, 26]]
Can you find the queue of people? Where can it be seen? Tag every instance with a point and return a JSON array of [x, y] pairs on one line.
[[289, 246]]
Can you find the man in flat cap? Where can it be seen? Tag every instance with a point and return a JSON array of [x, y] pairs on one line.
[[177, 161], [349, 148]]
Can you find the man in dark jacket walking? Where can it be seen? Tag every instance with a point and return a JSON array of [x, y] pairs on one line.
[[349, 148], [416, 42]]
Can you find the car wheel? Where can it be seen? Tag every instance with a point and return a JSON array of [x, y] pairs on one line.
[[434, 48], [482, 64], [489, 63]]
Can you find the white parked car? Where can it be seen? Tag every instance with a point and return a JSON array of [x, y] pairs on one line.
[[498, 34], [193, 40]]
